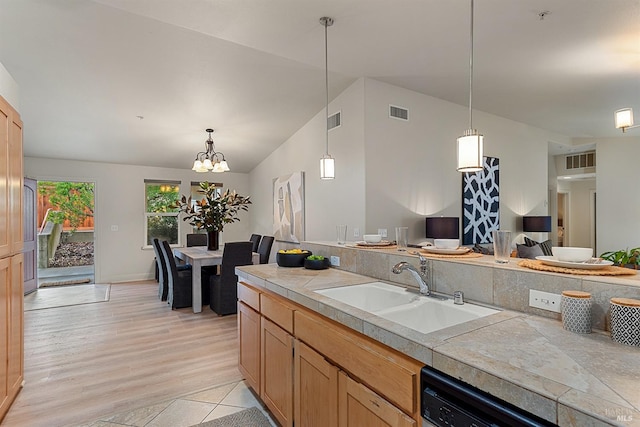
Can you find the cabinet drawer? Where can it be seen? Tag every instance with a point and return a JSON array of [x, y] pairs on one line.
[[387, 372], [249, 295], [278, 311]]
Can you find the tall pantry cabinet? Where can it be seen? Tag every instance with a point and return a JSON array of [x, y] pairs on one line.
[[11, 258]]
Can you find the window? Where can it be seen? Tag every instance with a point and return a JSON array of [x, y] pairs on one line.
[[161, 218]]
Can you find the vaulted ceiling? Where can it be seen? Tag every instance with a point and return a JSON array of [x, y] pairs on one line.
[[138, 81]]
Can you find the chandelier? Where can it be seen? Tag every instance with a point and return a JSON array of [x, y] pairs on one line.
[[210, 159]]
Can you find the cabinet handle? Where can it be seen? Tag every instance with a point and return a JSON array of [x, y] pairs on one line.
[[373, 402]]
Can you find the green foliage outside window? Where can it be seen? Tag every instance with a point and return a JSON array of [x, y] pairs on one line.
[[73, 201], [160, 199]]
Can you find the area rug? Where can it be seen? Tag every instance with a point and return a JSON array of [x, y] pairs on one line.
[[251, 417], [61, 296]]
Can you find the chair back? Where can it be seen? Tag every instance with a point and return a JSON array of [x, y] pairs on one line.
[[255, 239], [265, 249], [233, 255], [196, 239], [163, 285], [172, 269]]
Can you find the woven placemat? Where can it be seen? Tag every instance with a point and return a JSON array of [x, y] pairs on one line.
[[369, 246], [605, 271], [467, 255]]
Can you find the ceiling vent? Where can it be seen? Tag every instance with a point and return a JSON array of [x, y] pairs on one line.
[[334, 121], [399, 113], [580, 161]]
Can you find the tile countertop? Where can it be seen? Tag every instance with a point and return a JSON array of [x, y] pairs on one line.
[[530, 361]]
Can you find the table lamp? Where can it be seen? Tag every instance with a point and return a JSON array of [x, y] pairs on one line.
[[443, 227]]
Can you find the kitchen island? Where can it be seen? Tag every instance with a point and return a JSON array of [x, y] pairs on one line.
[[522, 358]]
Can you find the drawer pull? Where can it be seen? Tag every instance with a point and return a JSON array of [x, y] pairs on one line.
[[374, 403]]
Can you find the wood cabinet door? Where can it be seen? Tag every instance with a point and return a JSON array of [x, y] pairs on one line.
[[5, 213], [249, 338], [276, 382], [16, 335], [15, 180], [315, 388], [358, 406], [5, 280]]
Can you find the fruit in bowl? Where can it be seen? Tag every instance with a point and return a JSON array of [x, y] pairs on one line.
[[316, 262], [292, 257]]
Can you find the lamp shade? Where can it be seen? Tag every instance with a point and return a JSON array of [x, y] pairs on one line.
[[624, 118], [470, 152], [443, 227], [536, 224]]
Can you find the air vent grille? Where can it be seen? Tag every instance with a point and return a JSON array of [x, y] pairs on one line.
[[334, 121], [580, 161], [399, 113]]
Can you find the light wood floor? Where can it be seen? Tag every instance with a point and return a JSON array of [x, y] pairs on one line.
[[85, 361]]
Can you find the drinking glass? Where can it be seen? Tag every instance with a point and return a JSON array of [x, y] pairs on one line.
[[341, 231], [501, 246], [401, 238]]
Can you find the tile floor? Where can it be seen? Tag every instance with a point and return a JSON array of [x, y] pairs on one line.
[[188, 410]]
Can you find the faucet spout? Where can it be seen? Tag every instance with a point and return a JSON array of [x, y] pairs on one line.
[[419, 275]]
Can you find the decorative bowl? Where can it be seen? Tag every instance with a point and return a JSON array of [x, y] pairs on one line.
[[292, 259], [372, 238], [446, 243], [316, 264], [572, 254]]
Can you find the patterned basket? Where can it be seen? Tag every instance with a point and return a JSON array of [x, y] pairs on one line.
[[625, 321]]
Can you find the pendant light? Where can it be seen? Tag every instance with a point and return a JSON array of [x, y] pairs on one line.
[[327, 164], [471, 142], [624, 119], [210, 159]]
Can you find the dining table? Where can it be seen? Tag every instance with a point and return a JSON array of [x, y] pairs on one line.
[[198, 257]]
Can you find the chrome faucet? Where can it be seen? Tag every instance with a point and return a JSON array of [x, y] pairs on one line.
[[419, 275]]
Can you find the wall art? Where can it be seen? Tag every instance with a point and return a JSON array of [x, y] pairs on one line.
[[481, 203], [288, 208]]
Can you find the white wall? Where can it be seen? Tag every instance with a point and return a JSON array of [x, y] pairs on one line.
[[392, 173], [327, 203], [411, 166], [9, 88], [119, 200], [618, 204]]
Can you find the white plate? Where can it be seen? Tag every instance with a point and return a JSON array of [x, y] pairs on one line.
[[445, 251], [380, 243], [551, 260]]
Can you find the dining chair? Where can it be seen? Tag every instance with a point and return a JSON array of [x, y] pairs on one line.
[[196, 239], [255, 239], [265, 249], [163, 285], [224, 287], [179, 281]]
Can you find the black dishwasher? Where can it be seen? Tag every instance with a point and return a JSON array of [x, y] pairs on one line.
[[448, 402]]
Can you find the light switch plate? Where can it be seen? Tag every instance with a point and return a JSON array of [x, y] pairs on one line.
[[335, 261], [382, 232], [356, 232], [545, 300]]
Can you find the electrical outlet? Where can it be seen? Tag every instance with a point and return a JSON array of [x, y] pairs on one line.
[[335, 261], [545, 300], [356, 232], [382, 232]]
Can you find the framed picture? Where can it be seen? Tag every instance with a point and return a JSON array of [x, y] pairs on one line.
[[481, 203], [288, 208]]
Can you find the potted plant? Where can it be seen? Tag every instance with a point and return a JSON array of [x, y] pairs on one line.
[[629, 258], [213, 211]]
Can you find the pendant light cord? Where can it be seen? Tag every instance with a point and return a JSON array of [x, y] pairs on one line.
[[326, 83], [471, 72]]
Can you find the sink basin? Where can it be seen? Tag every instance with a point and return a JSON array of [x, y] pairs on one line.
[[431, 314], [371, 297]]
